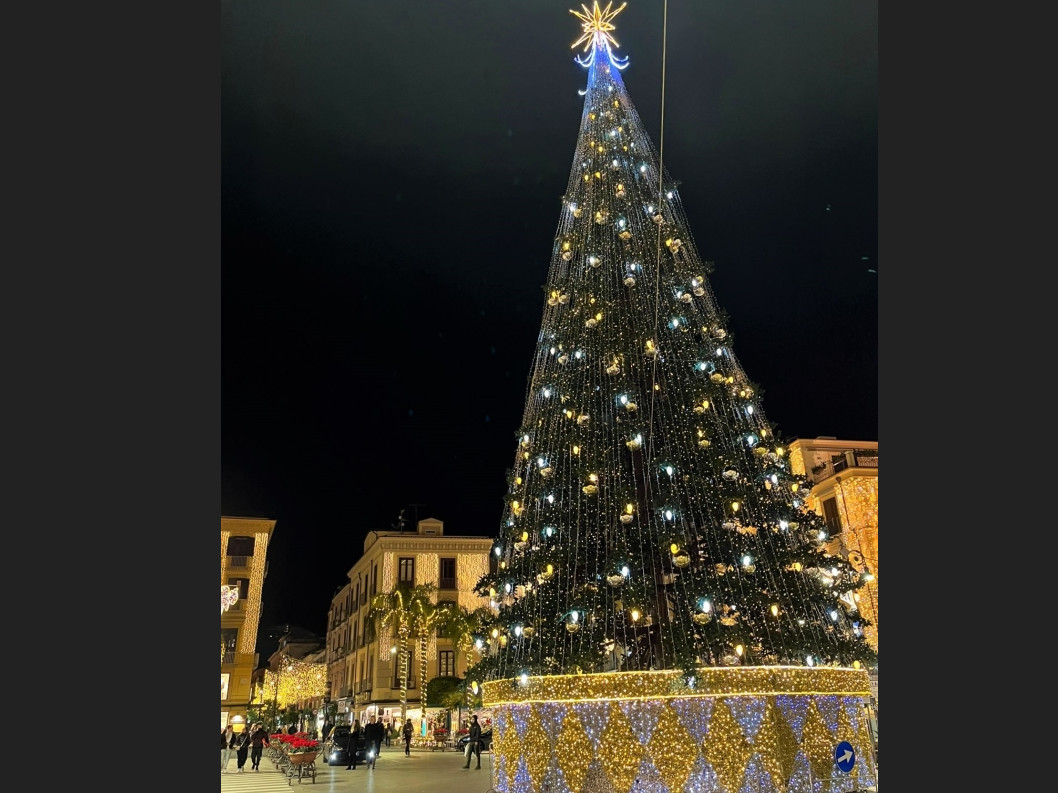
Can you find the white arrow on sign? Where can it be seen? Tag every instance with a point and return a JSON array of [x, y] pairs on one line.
[[845, 757]]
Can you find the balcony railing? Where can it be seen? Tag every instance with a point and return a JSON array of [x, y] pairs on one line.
[[238, 561], [447, 583], [839, 463], [229, 657]]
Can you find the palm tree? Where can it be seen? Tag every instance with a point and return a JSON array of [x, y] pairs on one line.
[[399, 611], [463, 626], [426, 617]]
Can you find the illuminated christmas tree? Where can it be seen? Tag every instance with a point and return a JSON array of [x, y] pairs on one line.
[[652, 520]]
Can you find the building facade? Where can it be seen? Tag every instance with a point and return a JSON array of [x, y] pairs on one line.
[[365, 675], [243, 554], [845, 492]]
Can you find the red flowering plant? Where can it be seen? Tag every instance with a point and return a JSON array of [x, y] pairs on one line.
[[297, 743]]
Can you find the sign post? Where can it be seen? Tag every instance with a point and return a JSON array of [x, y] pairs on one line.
[[844, 756]]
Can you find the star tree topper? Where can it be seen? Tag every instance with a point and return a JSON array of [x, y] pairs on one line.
[[597, 24]]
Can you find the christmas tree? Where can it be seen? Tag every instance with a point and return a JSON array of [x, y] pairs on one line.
[[652, 520]]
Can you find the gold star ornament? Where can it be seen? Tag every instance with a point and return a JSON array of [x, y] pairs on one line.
[[596, 23]]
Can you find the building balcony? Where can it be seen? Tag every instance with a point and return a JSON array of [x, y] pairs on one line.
[[846, 461]]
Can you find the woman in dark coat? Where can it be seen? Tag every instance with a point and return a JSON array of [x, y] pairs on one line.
[[242, 748], [355, 736]]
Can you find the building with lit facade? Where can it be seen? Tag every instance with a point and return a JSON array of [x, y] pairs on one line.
[[243, 552], [845, 492], [365, 675]]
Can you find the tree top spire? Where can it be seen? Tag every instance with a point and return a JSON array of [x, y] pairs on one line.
[[597, 25]]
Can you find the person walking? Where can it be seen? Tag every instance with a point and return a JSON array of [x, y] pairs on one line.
[[327, 727], [353, 741], [242, 749], [407, 738], [474, 741], [227, 743], [258, 741], [373, 740]]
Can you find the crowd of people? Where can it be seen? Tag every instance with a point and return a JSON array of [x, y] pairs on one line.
[[249, 743]]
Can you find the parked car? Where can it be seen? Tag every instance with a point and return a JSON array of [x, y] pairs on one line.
[[486, 741], [337, 747]]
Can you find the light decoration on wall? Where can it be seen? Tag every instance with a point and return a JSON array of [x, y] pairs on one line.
[[252, 609], [296, 682], [229, 595]]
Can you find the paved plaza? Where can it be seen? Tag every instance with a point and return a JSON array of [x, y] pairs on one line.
[[424, 772]]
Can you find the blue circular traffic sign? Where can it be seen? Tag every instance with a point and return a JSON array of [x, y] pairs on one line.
[[844, 756]]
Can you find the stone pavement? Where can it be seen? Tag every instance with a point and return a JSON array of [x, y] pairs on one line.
[[424, 772]]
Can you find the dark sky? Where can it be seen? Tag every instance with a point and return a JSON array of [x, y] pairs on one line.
[[391, 184]]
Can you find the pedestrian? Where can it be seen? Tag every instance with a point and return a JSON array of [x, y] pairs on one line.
[[227, 743], [353, 742], [474, 741], [407, 738], [292, 729], [387, 730], [327, 727], [242, 749], [373, 740], [258, 741]]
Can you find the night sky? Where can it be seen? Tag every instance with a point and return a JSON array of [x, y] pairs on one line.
[[391, 183]]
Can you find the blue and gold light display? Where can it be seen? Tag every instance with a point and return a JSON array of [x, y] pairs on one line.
[[772, 729]]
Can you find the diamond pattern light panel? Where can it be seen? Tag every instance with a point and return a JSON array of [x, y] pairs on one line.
[[654, 738]]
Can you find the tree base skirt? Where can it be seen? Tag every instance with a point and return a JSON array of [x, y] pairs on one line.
[[769, 729]]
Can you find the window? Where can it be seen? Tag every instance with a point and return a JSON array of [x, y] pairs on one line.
[[406, 567], [448, 574], [830, 517], [240, 546], [244, 589], [449, 606], [374, 580], [229, 638], [446, 663]]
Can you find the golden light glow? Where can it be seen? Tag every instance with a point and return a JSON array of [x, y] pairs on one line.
[[703, 723], [596, 23]]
